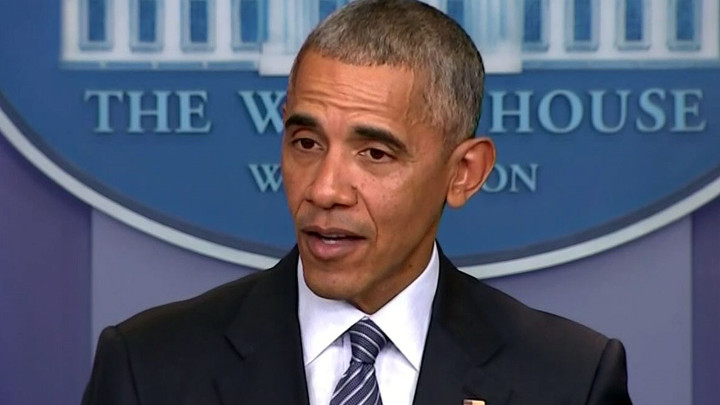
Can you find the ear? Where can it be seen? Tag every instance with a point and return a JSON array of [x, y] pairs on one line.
[[473, 160]]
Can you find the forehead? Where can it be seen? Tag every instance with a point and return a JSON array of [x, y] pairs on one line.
[[333, 83]]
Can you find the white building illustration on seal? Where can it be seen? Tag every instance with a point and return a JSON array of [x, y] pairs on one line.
[[264, 35]]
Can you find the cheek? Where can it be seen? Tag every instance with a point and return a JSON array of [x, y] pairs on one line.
[[413, 200], [392, 206], [292, 184]]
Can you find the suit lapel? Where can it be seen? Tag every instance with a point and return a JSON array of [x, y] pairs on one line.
[[457, 361], [461, 344], [266, 335]]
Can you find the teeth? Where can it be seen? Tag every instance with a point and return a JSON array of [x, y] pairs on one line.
[[332, 236]]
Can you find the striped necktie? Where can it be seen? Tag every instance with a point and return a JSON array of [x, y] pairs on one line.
[[359, 386]]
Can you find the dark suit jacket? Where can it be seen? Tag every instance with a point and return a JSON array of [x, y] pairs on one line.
[[240, 344]]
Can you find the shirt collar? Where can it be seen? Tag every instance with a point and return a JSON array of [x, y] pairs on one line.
[[405, 319]]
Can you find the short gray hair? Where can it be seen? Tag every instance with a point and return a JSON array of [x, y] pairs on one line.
[[413, 35]]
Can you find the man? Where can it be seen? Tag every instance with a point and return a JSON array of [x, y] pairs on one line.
[[381, 111]]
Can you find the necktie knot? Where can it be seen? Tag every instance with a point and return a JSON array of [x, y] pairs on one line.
[[366, 340], [359, 386]]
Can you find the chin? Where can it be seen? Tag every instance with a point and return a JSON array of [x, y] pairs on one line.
[[329, 293], [330, 289]]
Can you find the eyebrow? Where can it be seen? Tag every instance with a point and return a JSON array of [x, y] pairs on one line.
[[302, 120], [362, 131], [381, 135]]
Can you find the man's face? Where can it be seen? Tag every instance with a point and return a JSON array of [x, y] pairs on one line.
[[365, 179]]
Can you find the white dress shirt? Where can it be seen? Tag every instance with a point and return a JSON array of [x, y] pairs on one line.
[[326, 346]]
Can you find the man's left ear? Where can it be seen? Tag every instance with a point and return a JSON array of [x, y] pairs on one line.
[[473, 160]]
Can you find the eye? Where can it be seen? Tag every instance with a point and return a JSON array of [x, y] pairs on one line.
[[305, 143], [376, 155]]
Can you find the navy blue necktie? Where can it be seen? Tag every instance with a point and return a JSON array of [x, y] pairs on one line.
[[359, 386]]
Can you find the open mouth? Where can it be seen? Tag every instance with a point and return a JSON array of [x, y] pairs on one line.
[[331, 243], [334, 237]]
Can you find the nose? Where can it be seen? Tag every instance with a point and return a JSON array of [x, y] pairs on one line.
[[332, 183]]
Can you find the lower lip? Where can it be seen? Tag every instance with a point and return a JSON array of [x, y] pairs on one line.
[[331, 249]]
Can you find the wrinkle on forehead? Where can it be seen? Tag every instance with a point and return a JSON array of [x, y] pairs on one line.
[[364, 89]]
